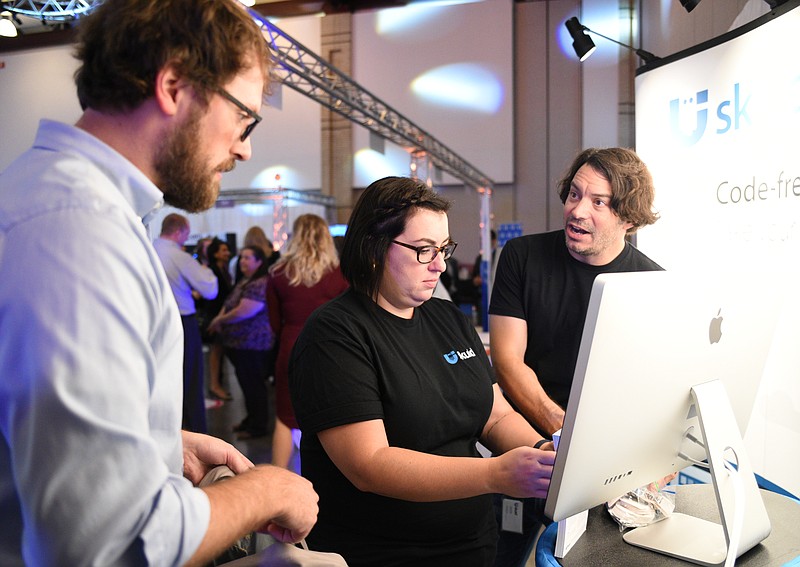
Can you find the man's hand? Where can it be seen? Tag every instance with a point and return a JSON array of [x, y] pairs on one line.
[[201, 453], [263, 498], [299, 515]]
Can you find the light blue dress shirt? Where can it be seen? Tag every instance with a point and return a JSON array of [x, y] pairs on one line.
[[90, 366], [185, 274]]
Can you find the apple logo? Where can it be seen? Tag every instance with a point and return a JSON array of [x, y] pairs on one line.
[[715, 328]]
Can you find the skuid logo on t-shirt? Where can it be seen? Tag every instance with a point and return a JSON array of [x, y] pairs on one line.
[[454, 355]]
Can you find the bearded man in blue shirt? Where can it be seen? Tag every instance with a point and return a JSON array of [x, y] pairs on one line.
[[94, 468]]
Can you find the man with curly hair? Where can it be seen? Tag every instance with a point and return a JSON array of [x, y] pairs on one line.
[[541, 294]]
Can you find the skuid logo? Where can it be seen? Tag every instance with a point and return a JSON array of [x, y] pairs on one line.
[[451, 357], [455, 355], [731, 114]]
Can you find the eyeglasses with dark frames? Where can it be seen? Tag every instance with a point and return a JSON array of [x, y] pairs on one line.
[[427, 254], [240, 105]]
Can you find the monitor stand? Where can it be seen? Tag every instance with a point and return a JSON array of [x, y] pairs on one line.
[[700, 541]]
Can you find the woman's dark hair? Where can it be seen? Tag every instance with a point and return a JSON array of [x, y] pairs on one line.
[[213, 248], [263, 269], [632, 190], [123, 45], [220, 271], [379, 216]]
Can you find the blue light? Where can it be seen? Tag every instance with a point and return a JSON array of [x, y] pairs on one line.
[[338, 229], [564, 41], [256, 209], [461, 85], [373, 165], [407, 18]]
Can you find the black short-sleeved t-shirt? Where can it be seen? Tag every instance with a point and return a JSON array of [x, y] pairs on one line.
[[539, 281], [430, 381]]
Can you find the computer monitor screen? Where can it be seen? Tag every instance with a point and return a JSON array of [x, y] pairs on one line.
[[650, 337]]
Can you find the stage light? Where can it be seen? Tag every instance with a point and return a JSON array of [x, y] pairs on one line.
[[581, 43], [584, 46], [689, 5], [7, 27]]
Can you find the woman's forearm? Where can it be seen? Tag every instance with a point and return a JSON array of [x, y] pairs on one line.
[[360, 450], [244, 310], [422, 477]]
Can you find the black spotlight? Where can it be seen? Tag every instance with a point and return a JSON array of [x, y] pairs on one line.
[[581, 43], [689, 5], [584, 46]]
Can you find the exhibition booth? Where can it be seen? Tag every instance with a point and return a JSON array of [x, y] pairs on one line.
[[698, 366]]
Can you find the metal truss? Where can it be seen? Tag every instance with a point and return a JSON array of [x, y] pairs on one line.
[[53, 11], [236, 196], [307, 73]]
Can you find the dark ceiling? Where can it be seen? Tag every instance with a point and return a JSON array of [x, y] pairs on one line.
[[59, 34]]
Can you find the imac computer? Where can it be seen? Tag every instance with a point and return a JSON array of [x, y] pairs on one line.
[[667, 372]]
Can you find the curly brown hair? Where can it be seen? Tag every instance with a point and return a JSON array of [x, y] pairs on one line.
[[123, 44], [632, 190]]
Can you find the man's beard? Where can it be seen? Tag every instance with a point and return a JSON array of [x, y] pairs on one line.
[[602, 240], [184, 179]]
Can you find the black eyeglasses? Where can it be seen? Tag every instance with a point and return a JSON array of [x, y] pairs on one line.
[[427, 254], [256, 118]]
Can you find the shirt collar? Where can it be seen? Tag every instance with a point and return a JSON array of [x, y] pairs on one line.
[[135, 187]]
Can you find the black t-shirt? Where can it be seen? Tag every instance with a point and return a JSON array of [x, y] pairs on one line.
[[430, 381], [539, 281]]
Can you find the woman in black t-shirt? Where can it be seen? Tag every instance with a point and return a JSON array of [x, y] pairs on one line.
[[392, 390]]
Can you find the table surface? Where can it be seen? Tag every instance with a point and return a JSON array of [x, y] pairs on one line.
[[602, 544]]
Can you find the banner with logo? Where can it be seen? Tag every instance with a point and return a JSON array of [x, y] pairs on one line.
[[719, 127]]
